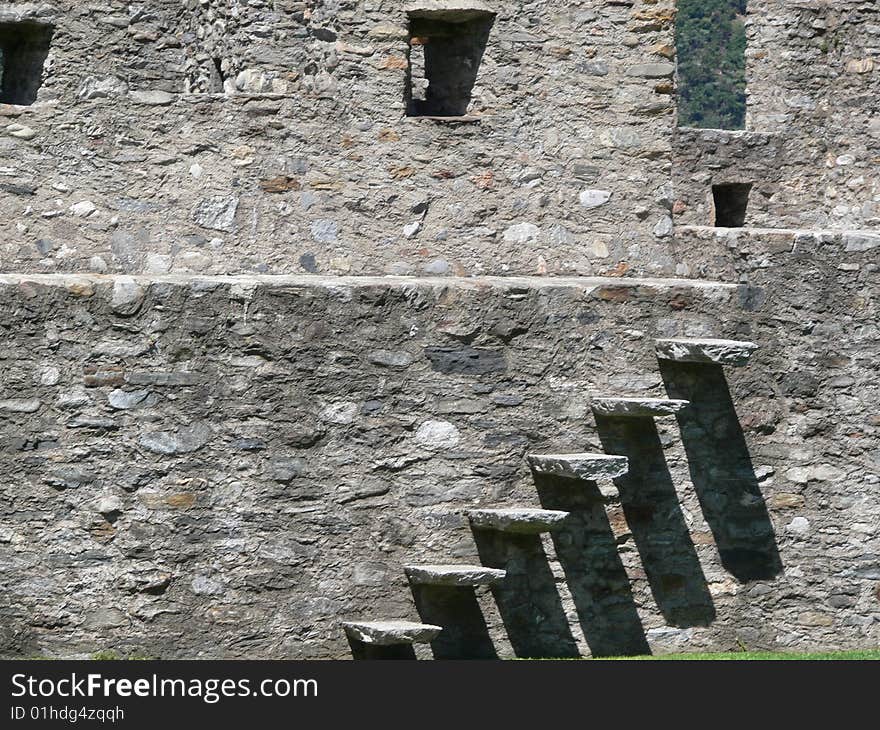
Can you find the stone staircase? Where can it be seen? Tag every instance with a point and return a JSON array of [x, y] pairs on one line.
[[394, 639]]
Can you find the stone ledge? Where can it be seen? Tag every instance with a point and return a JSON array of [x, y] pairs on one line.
[[522, 521], [852, 239], [717, 352], [453, 575], [389, 633], [579, 466], [330, 282], [637, 407]]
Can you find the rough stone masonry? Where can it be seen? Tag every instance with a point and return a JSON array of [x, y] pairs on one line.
[[269, 331]]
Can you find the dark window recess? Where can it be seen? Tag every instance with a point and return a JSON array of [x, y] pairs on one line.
[[23, 51], [445, 51], [731, 202]]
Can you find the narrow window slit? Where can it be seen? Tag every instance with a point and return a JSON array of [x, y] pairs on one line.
[[731, 203], [218, 77]]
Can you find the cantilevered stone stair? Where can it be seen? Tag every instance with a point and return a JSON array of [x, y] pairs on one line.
[[579, 466], [716, 352], [517, 520], [637, 407], [453, 575], [388, 639], [532, 521], [390, 633]]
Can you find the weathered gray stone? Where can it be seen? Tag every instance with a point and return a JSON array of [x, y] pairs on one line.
[[216, 213], [101, 88], [325, 231], [719, 352], [637, 407], [518, 520], [83, 209], [285, 470], [20, 131], [437, 435], [594, 198], [152, 98], [522, 233], [651, 70], [465, 360], [109, 505], [579, 466], [453, 575], [389, 633], [20, 405], [124, 400], [183, 441], [128, 295], [391, 359]]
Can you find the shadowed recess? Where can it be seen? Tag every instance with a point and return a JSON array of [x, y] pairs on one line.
[[722, 472], [731, 202], [23, 51], [361, 650], [444, 60], [455, 608], [587, 551], [653, 514], [527, 598]]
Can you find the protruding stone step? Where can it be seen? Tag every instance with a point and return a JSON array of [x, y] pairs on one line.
[[390, 633], [579, 466], [520, 520], [719, 352], [453, 575], [637, 407]]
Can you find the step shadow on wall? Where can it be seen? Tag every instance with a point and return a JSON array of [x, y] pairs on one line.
[[527, 598], [653, 514], [455, 608], [722, 472], [360, 650], [587, 550]]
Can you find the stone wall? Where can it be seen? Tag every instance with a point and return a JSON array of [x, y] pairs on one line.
[[227, 467], [223, 431], [134, 161], [812, 143]]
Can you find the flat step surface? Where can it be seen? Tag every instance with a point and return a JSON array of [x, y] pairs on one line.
[[388, 633], [579, 466], [522, 521], [719, 352], [637, 407], [453, 575]]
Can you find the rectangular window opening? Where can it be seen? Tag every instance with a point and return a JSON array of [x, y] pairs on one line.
[[731, 202], [23, 50], [445, 52], [710, 39]]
